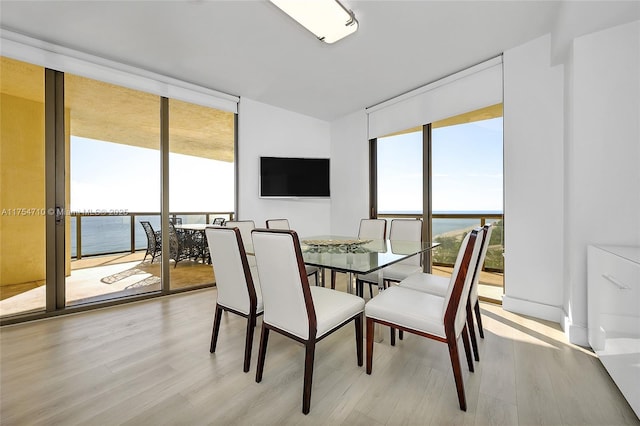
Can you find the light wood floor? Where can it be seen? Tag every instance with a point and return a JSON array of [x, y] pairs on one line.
[[148, 363]]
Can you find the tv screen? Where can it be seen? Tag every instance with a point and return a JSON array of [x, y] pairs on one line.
[[294, 177]]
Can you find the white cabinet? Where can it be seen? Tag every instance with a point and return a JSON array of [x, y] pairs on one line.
[[614, 315]]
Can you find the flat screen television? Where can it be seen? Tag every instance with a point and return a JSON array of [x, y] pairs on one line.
[[294, 177]]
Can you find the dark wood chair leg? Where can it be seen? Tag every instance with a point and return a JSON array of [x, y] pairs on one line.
[[457, 371], [369, 345], [472, 332], [248, 344], [358, 322], [262, 352], [479, 319], [401, 334], [217, 317], [467, 348], [333, 280], [310, 348], [392, 332], [359, 291], [370, 291]]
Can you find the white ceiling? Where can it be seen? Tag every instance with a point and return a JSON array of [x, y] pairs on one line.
[[251, 49]]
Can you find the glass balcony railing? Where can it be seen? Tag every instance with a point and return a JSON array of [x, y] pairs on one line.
[[100, 234], [449, 229]]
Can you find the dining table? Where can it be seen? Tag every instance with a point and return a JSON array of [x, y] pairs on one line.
[[195, 240], [355, 256]]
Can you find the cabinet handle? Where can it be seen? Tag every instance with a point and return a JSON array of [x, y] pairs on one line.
[[615, 282]]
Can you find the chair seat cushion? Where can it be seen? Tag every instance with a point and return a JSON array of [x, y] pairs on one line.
[[333, 308], [395, 272], [409, 308], [400, 271], [311, 269], [427, 283]]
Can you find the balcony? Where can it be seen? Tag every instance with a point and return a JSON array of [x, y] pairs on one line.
[[107, 262]]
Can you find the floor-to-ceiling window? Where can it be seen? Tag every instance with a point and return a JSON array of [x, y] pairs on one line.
[[201, 187], [22, 188], [109, 168], [113, 175], [467, 190], [456, 172]]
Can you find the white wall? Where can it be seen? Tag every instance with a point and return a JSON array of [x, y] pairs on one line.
[[572, 168], [264, 130], [603, 166], [349, 173], [533, 181]]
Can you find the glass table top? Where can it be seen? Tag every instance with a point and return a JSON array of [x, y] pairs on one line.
[[348, 254]]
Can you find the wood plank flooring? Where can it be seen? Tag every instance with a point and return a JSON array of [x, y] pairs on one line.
[[148, 363]]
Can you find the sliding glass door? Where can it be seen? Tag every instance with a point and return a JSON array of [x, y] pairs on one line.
[[201, 185], [113, 180], [90, 172]]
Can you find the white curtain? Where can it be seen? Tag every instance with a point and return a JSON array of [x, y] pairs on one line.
[[473, 88], [37, 52]]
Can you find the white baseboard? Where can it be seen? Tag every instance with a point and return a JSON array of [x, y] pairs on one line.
[[576, 334], [533, 309]]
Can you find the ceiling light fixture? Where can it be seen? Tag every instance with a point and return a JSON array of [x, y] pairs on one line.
[[328, 20]]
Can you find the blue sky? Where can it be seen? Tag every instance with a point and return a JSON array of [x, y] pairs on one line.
[[467, 174], [467, 169], [108, 176]]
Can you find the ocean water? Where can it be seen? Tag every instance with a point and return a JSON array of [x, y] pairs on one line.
[[112, 234]]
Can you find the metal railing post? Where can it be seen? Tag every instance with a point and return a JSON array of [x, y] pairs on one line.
[[79, 237], [133, 232]]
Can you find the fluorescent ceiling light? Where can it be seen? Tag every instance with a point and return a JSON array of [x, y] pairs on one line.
[[329, 20]]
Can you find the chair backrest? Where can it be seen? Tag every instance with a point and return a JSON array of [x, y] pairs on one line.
[[375, 229], [473, 295], [283, 279], [454, 314], [245, 227], [233, 276], [407, 230], [175, 220], [219, 221], [148, 229], [175, 246], [277, 224]]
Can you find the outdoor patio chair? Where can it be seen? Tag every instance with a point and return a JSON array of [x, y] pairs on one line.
[[218, 221], [154, 242]]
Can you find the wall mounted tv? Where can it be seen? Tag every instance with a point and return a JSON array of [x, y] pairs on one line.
[[294, 177]]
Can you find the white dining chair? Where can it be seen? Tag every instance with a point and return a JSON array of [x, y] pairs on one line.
[[237, 289], [245, 227], [401, 230], [304, 313], [277, 224], [284, 224], [369, 229], [435, 284], [439, 318]]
